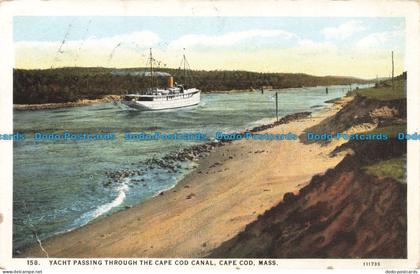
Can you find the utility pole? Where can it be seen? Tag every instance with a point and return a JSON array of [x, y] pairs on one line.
[[277, 107], [151, 69], [392, 57], [185, 75]]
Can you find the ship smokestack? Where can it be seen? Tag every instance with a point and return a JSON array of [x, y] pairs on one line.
[[170, 82]]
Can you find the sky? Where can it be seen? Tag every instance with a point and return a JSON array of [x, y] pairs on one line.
[[359, 46]]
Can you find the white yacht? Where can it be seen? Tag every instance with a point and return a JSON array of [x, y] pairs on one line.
[[157, 98]]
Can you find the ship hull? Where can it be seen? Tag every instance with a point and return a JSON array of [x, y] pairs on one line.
[[166, 102]]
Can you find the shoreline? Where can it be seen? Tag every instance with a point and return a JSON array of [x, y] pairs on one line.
[[158, 227], [112, 98], [78, 103], [170, 160], [105, 99]]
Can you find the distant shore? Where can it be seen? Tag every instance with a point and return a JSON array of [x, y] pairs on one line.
[[79, 103], [68, 84], [114, 98], [105, 99], [230, 187]]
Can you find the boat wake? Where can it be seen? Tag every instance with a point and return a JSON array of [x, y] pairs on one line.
[[102, 209]]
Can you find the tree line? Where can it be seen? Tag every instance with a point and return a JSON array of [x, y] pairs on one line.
[[74, 83]]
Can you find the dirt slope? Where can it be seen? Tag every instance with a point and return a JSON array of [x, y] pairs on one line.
[[342, 214], [345, 213]]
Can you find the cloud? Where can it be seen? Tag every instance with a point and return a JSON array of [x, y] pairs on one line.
[[93, 51], [381, 38], [141, 39], [342, 31], [312, 46], [227, 39]]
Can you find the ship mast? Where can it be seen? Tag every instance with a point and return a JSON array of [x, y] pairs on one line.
[[185, 66]]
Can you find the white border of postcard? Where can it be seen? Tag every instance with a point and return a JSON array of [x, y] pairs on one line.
[[407, 9]]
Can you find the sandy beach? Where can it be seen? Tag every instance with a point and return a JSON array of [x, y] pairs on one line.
[[230, 187]]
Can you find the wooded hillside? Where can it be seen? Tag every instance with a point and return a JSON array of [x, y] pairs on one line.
[[74, 83]]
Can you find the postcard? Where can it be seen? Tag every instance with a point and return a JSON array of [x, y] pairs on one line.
[[209, 135]]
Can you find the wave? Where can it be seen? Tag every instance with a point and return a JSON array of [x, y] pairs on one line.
[[90, 215], [102, 209]]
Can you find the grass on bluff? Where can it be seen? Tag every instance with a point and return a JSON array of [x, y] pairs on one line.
[[385, 93], [393, 168], [390, 130]]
